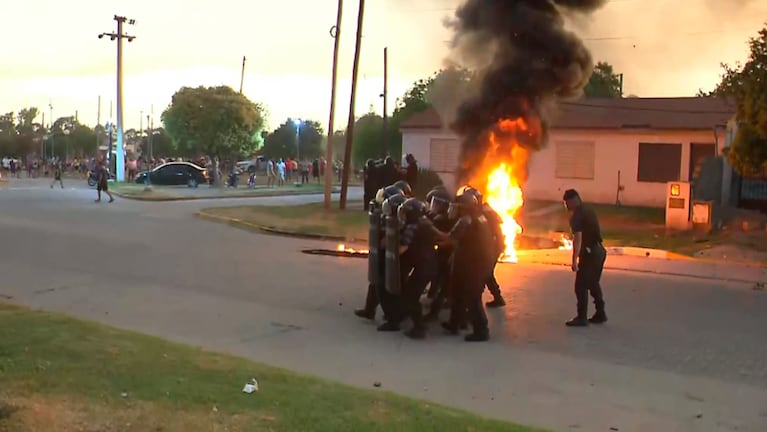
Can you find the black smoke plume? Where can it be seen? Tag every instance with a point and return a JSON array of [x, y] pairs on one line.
[[526, 59]]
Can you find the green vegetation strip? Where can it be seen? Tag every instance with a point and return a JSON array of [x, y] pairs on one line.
[[60, 373]]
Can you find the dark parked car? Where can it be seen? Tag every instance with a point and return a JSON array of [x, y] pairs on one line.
[[175, 174]]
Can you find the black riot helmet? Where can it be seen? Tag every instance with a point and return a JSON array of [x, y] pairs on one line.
[[370, 163], [389, 161], [466, 189], [404, 187], [411, 210], [391, 204], [386, 193], [438, 200]]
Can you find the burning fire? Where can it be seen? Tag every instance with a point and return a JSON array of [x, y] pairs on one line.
[[566, 243], [342, 248], [504, 195]]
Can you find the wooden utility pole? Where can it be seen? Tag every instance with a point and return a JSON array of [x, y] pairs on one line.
[[335, 33], [242, 74], [350, 125], [385, 96]]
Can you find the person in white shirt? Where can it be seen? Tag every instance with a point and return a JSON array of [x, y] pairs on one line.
[[269, 173], [281, 172]]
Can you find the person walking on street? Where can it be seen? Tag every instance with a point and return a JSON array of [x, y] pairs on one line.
[[57, 175], [102, 184], [588, 260]]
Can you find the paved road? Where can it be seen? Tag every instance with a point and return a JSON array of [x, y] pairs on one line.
[[679, 354]]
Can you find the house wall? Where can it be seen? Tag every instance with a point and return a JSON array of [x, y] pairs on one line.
[[614, 150]]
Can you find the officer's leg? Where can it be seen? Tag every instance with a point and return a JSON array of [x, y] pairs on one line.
[[476, 311], [458, 293], [495, 290], [416, 285], [371, 303], [582, 283], [389, 302], [439, 285], [595, 288]]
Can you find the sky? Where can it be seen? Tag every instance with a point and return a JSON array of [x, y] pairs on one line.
[[53, 57]]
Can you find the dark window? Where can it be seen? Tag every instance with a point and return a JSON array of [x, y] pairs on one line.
[[659, 163]]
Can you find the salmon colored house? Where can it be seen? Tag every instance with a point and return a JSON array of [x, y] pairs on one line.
[[608, 149]]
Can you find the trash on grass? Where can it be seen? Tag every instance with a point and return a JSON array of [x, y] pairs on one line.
[[251, 387]]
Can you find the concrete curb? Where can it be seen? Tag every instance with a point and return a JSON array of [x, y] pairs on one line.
[[216, 197], [239, 223]]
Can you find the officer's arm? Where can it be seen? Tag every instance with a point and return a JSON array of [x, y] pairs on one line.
[[459, 229], [439, 236], [576, 225]]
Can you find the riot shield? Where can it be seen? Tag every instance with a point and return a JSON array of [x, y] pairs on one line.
[[392, 255], [374, 243]]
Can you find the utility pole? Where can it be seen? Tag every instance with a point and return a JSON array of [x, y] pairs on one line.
[[42, 140], [335, 33], [350, 124], [621, 88], [385, 96], [119, 36], [53, 141], [98, 122], [242, 74]]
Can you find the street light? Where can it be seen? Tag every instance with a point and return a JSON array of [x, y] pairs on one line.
[[119, 36], [298, 123]]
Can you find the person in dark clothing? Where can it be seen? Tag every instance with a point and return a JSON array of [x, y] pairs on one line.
[[417, 253], [588, 260], [439, 201], [57, 175], [316, 169], [372, 297], [392, 303], [102, 184], [473, 259], [369, 183], [411, 171], [499, 245], [389, 172]]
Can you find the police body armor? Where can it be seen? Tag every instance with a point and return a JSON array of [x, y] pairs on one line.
[[393, 280], [374, 243]]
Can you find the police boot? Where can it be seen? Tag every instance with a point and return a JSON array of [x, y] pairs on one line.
[[369, 311], [388, 326], [478, 336], [599, 317], [497, 302]]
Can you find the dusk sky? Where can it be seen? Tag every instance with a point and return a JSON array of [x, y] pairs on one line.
[[663, 47]]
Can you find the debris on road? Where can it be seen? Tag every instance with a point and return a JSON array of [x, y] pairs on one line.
[[251, 387]]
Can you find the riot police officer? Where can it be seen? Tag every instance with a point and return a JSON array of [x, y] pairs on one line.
[[499, 245], [439, 200], [473, 260], [372, 299], [391, 301], [417, 254], [588, 260]]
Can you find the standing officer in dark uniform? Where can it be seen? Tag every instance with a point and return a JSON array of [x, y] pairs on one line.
[[472, 263], [499, 245], [588, 260], [417, 253], [439, 201], [370, 183], [392, 303]]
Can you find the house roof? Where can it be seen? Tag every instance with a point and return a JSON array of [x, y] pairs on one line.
[[603, 113]]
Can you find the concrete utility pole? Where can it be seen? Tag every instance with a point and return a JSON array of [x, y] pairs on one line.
[[385, 96], [350, 125], [242, 74], [98, 122], [53, 141], [335, 33], [119, 36]]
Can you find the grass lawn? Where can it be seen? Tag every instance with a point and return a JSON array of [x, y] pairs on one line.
[[62, 374], [621, 226], [132, 190]]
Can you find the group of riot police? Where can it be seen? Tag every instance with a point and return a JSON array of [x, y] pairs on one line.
[[449, 243], [378, 174]]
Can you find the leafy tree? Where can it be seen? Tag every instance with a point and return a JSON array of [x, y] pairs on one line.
[[8, 124], [213, 121], [604, 82], [162, 145], [26, 120], [283, 142], [368, 138], [746, 85]]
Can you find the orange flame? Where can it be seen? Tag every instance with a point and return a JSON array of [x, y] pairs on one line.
[[342, 248], [505, 197]]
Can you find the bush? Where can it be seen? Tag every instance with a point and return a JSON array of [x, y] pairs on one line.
[[427, 180]]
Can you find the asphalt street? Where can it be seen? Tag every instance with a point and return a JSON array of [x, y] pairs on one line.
[[679, 353]]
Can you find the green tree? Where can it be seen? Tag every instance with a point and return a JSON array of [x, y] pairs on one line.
[[162, 145], [368, 138], [26, 120], [8, 124], [604, 82], [213, 121], [284, 141], [746, 86]]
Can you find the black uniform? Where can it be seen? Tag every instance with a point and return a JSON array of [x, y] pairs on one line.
[[370, 183], [472, 261], [421, 258], [440, 284], [591, 262], [495, 222]]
